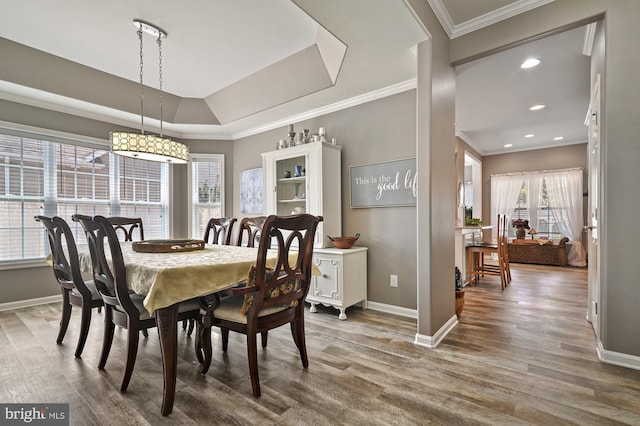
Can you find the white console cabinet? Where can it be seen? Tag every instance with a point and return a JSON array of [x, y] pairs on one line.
[[343, 279]]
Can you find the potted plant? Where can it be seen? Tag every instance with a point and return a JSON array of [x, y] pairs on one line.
[[520, 225], [472, 221], [459, 292]]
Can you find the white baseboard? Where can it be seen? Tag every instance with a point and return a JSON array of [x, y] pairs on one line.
[[617, 358], [30, 302], [433, 341], [391, 309], [421, 340]]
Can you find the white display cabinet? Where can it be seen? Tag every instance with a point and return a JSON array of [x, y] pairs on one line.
[[316, 191]]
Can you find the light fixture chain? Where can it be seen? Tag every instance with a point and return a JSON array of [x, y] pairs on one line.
[[160, 70], [137, 144], [141, 84]]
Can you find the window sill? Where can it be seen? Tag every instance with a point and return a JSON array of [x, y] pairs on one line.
[[23, 264]]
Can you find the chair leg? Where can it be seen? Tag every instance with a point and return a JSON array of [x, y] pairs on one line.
[[109, 328], [203, 348], [145, 333], [192, 324], [184, 324], [66, 315], [263, 337], [132, 352], [297, 330], [225, 338], [252, 355], [85, 322]]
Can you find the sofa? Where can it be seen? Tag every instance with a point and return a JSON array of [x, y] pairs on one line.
[[539, 251]]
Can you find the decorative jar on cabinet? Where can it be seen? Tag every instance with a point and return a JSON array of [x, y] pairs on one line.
[[306, 178]]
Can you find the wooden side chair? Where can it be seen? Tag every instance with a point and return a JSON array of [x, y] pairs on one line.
[[126, 226], [122, 307], [505, 248], [476, 265], [273, 296], [250, 231], [218, 230], [66, 268]]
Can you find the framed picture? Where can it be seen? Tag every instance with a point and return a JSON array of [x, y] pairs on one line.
[[251, 191], [386, 184]]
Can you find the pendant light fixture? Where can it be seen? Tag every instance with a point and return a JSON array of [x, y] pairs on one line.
[[142, 145]]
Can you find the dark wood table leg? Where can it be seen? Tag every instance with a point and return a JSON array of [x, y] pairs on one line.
[[167, 320]]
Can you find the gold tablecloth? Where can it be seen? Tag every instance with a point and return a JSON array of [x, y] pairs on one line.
[[168, 278]]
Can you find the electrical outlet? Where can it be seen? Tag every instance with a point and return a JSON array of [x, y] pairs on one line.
[[394, 280]]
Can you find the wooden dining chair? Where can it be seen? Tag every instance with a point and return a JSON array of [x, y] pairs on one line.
[[218, 230], [503, 251], [126, 226], [476, 265], [122, 307], [274, 296], [66, 269], [505, 248], [250, 230]]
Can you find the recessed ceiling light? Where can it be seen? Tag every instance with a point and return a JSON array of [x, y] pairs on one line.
[[530, 63], [537, 107], [508, 145], [558, 138], [530, 135]]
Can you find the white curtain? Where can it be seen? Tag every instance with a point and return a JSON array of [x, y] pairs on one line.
[[565, 189], [505, 190], [534, 199]]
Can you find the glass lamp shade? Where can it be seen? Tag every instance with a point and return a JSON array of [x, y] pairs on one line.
[[148, 147]]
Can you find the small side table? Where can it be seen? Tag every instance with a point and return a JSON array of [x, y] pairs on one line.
[[343, 282]]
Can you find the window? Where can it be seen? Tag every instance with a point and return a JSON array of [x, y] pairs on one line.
[[546, 211], [40, 177], [551, 200], [207, 191]]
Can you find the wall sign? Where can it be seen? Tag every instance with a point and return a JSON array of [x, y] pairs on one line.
[[387, 184]]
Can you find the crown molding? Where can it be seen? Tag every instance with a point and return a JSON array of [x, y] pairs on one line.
[[505, 12], [589, 36], [468, 141], [327, 109]]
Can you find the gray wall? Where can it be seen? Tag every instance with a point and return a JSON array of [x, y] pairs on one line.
[[435, 145], [372, 132], [620, 293]]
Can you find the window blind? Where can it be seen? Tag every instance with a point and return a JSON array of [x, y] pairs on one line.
[[207, 191], [40, 177]]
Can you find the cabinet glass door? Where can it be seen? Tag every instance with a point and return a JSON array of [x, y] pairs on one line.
[[291, 189]]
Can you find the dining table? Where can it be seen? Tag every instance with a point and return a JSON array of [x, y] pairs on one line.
[[167, 279]]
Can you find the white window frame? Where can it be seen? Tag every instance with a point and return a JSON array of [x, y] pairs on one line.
[[49, 202], [193, 188]]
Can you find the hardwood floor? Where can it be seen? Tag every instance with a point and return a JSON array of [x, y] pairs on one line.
[[522, 356]]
